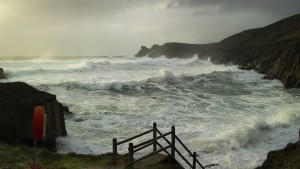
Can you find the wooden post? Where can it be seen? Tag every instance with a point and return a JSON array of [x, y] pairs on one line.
[[130, 154], [173, 143], [194, 160], [34, 155], [115, 149], [154, 137]]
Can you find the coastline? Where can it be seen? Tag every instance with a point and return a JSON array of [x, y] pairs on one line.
[[278, 59], [272, 50], [288, 156]]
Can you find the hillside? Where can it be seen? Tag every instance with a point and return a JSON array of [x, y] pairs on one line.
[[273, 50]]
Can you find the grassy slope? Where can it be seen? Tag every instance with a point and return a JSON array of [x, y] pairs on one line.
[[21, 157]]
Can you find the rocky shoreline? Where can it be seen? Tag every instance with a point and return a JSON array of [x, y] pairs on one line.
[[273, 50], [287, 158], [2, 75]]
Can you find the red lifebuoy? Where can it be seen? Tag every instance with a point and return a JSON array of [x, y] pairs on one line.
[[39, 123]]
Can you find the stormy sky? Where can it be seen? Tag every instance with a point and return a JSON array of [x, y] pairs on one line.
[[120, 27]]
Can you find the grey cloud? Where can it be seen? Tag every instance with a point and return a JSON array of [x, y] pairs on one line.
[[105, 27], [279, 7]]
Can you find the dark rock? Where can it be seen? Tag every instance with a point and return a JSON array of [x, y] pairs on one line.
[[175, 50], [65, 110], [2, 75], [287, 158], [143, 52], [17, 103], [154, 47], [273, 50]]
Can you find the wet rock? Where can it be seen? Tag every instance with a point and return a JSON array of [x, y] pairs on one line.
[[2, 75], [287, 158]]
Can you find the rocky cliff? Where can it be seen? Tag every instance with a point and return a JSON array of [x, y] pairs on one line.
[[2, 75], [174, 50], [273, 50], [17, 103], [287, 158]]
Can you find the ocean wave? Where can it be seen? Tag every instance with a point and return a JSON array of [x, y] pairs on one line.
[[241, 135], [253, 131], [286, 115], [160, 81]]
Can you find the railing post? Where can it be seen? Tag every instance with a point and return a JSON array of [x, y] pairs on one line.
[[130, 154], [154, 137], [115, 149], [194, 160], [173, 143]]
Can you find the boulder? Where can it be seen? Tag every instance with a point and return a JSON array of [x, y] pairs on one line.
[[2, 75], [288, 158], [17, 103]]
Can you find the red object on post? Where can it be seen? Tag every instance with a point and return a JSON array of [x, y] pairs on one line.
[[39, 123]]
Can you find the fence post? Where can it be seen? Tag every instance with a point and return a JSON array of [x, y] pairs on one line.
[[115, 149], [194, 160], [154, 137], [130, 154], [173, 143]]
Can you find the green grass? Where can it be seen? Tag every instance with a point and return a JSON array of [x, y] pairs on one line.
[[22, 157]]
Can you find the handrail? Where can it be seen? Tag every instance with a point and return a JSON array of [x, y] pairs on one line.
[[148, 141], [164, 150], [183, 145], [145, 146], [134, 137], [154, 141], [163, 137], [183, 158]]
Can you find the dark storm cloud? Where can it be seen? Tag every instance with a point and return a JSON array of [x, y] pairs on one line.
[[278, 7]]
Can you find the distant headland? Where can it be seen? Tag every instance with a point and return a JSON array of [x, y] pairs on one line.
[[273, 50]]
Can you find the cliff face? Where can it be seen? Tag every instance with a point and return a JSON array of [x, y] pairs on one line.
[[2, 75], [273, 50], [174, 50], [289, 158], [17, 103]]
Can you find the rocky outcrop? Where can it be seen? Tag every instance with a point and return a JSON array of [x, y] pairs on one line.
[[143, 52], [17, 103], [287, 158], [174, 50], [2, 75], [273, 50]]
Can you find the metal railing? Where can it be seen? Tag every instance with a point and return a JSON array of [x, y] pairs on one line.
[[171, 144]]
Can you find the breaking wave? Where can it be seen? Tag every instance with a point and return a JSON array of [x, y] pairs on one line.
[[227, 115]]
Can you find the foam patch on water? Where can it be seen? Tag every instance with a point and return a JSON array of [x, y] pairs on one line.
[[228, 116]]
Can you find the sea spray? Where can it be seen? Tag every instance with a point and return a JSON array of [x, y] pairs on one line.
[[228, 116]]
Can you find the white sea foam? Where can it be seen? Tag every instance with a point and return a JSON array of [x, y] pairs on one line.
[[231, 117]]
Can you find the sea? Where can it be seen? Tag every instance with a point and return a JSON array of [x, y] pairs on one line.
[[228, 116]]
